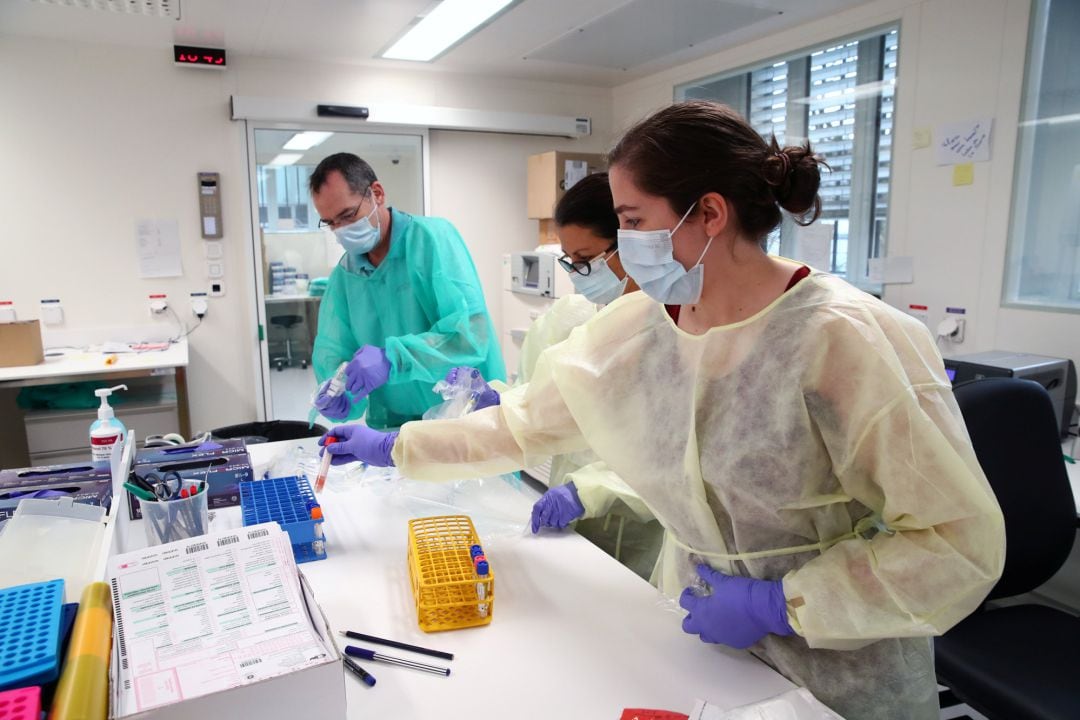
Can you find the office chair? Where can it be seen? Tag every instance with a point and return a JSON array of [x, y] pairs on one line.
[[1020, 661], [287, 322]]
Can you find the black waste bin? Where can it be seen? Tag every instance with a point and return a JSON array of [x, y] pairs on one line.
[[269, 431]]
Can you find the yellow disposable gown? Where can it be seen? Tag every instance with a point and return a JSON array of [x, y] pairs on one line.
[[615, 518], [817, 442]]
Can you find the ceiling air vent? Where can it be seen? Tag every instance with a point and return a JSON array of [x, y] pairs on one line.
[[159, 8]]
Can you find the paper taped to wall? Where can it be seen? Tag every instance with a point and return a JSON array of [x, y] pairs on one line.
[[961, 142], [157, 244]]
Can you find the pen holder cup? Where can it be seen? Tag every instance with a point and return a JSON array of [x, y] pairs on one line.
[[177, 519]]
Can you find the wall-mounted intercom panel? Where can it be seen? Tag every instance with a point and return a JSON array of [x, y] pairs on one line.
[[210, 205]]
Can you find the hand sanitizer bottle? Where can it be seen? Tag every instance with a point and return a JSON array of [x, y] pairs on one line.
[[106, 430]]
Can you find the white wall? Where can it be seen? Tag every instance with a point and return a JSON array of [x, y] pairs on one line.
[[95, 137], [958, 59], [489, 208]]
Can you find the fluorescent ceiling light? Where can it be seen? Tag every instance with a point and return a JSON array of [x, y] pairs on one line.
[[1056, 120], [866, 90], [306, 140], [450, 21], [285, 159]]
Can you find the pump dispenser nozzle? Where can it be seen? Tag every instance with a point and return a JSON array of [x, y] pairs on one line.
[[105, 411]]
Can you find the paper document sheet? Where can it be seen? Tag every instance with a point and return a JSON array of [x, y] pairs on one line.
[[208, 614], [157, 245]]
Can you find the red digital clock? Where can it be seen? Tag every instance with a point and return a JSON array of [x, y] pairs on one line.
[[203, 57]]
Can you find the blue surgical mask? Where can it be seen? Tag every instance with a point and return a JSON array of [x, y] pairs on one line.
[[647, 257], [361, 237], [601, 285]]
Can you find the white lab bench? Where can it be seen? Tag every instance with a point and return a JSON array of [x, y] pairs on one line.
[[81, 365], [573, 632]]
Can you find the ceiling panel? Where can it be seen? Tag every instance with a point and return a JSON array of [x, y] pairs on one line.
[[590, 42], [645, 30]]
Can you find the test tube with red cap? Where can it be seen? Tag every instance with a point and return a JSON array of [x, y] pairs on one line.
[[324, 468]]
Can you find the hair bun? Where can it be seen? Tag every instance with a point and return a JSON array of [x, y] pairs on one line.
[[794, 176]]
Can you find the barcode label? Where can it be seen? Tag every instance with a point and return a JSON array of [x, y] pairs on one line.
[[249, 663], [119, 623], [228, 540], [258, 533], [197, 547]]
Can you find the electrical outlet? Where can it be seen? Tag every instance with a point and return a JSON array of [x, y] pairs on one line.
[[198, 304], [158, 304], [958, 336], [920, 313], [958, 314], [52, 312]]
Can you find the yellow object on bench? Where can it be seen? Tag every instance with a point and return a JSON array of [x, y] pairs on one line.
[[448, 590]]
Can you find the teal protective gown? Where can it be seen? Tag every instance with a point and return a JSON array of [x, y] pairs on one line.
[[423, 304]]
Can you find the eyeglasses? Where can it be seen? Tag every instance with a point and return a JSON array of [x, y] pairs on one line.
[[581, 267], [344, 218]]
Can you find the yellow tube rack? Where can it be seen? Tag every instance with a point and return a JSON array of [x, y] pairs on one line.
[[448, 592]]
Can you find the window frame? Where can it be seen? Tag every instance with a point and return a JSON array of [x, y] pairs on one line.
[[1024, 162], [864, 243]]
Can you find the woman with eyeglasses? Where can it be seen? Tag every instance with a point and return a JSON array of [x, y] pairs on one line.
[[584, 488], [797, 437]]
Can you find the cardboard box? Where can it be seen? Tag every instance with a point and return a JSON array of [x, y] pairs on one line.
[[51, 474], [548, 232], [20, 344], [223, 472], [285, 697], [191, 451], [86, 483], [547, 179]]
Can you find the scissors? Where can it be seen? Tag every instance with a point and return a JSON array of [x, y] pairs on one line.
[[166, 486]]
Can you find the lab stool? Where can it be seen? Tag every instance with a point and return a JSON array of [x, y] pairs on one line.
[[287, 323]]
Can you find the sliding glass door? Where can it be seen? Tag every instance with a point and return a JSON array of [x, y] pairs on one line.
[[293, 257]]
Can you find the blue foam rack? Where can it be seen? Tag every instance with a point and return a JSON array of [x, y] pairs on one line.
[[288, 501], [30, 633]]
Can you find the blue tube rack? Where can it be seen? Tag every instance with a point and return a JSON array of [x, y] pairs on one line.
[[288, 501], [30, 634]]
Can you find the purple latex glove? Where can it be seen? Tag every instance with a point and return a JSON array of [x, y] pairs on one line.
[[486, 395], [739, 611], [350, 443], [369, 369], [557, 508], [334, 408]]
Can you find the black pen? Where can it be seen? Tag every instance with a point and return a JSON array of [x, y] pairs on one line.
[[396, 644], [360, 672]]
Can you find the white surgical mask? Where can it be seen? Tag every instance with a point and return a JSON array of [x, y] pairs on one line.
[[360, 237], [648, 258], [601, 285]]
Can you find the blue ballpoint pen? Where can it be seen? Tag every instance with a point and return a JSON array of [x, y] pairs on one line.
[[360, 672]]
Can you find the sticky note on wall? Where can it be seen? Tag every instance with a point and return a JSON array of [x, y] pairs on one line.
[[963, 174]]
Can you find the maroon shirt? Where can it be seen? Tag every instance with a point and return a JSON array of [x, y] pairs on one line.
[[673, 310]]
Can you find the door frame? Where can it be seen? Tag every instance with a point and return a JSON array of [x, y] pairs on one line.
[[257, 314]]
